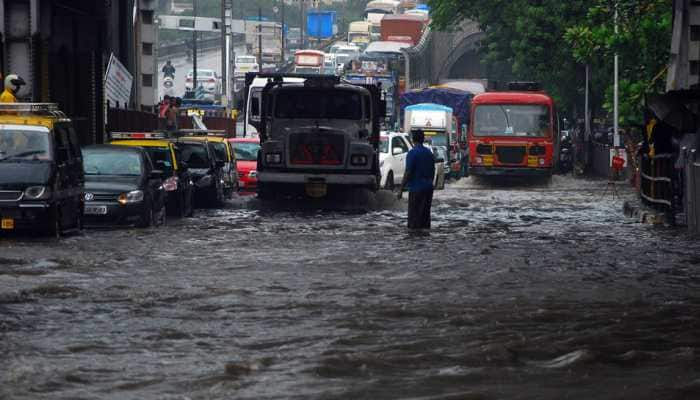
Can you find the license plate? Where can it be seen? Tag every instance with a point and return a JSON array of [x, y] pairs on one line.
[[316, 189], [8, 223], [532, 161], [96, 210]]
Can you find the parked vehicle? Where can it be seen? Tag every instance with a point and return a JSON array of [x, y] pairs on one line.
[[122, 186], [300, 155], [177, 180], [393, 149], [207, 172], [41, 169], [253, 89], [329, 64], [222, 153], [359, 34], [246, 151]]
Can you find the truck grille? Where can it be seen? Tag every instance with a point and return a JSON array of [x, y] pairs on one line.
[[10, 195], [510, 154], [316, 149]]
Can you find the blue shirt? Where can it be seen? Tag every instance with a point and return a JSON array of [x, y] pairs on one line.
[[420, 163]]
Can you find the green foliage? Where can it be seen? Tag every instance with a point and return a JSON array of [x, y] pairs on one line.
[[551, 41]]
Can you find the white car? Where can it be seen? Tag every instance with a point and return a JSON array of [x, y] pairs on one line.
[[206, 78], [393, 148], [245, 64], [442, 168]]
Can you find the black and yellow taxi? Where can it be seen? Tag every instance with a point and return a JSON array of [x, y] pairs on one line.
[[166, 157], [41, 169], [223, 151]]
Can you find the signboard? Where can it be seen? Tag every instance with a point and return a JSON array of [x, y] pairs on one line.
[[428, 119], [118, 83], [618, 159]]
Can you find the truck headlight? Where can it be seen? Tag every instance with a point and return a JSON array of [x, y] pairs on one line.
[[37, 193], [273, 158], [358, 159], [134, 196]]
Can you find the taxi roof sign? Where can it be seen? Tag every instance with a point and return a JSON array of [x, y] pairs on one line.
[[43, 109], [138, 135], [203, 132]]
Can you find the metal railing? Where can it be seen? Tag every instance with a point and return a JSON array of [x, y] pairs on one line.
[[656, 180]]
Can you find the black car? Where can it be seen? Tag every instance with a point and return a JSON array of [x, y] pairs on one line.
[[206, 170], [122, 187], [41, 170]]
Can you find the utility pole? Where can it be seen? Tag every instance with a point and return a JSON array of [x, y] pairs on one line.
[[616, 134], [224, 58], [283, 42], [302, 18], [194, 47], [260, 38]]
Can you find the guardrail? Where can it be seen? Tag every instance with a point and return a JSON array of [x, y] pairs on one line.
[[182, 47], [656, 180]]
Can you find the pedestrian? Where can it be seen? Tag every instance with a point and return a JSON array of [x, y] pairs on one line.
[[419, 176], [163, 106], [168, 70], [12, 86], [171, 115]]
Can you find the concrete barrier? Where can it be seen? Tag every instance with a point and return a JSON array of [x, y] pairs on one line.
[[692, 191]]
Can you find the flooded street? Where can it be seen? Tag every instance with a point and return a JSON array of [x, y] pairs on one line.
[[543, 292]]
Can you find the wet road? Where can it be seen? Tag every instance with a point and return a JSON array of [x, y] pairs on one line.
[[517, 293]]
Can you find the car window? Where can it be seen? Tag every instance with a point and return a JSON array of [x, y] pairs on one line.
[[397, 142], [220, 151], [24, 144], [161, 158], [246, 151]]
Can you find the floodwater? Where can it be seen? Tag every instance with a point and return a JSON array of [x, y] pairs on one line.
[[537, 292]]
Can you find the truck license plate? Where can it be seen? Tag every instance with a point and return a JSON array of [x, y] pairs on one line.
[[316, 189], [96, 210], [8, 223]]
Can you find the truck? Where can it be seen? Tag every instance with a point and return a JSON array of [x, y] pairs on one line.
[[460, 102], [359, 34], [318, 137], [271, 41], [404, 28], [319, 24], [293, 39]]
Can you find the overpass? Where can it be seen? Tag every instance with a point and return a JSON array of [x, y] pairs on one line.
[[445, 55]]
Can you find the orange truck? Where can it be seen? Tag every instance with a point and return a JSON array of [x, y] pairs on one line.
[[405, 28]]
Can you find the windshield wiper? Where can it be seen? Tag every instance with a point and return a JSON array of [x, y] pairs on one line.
[[26, 153]]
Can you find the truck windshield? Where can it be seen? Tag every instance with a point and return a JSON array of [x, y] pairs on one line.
[[310, 104], [511, 120], [24, 144]]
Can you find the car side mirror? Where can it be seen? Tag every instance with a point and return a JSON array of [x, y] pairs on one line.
[[156, 174], [396, 151]]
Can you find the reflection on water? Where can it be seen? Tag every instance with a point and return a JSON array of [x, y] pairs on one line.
[[519, 292]]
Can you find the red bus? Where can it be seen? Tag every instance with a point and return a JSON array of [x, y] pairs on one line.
[[513, 133]]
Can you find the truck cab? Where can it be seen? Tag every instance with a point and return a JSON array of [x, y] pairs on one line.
[[317, 136]]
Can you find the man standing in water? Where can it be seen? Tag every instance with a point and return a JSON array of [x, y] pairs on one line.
[[420, 171]]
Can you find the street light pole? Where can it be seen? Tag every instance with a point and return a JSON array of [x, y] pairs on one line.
[[616, 88], [260, 38], [194, 47]]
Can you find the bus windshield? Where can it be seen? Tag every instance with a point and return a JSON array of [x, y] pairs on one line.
[[511, 120]]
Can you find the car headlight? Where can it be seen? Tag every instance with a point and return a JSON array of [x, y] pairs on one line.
[[273, 158], [37, 193], [252, 174], [134, 196]]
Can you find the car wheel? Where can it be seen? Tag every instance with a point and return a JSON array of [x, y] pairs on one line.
[[389, 184], [147, 217]]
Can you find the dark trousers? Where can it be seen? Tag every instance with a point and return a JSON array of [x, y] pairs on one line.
[[419, 204]]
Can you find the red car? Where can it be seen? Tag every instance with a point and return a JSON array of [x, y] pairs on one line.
[[246, 150]]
